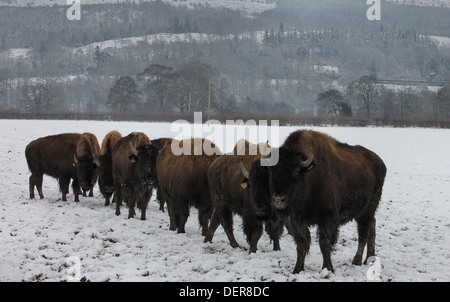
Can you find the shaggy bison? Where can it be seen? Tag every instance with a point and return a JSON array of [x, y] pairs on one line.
[[320, 181], [183, 181], [158, 143], [105, 179], [131, 166], [230, 194], [86, 152], [64, 157]]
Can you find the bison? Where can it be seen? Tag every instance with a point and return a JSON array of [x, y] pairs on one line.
[[183, 181], [230, 194], [86, 152], [105, 179], [131, 166], [159, 143], [320, 181], [64, 156]]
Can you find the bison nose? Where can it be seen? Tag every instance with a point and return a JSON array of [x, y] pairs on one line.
[[279, 201]]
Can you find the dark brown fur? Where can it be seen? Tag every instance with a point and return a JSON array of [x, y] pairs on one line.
[[184, 183], [54, 156], [88, 149], [129, 184], [159, 143], [230, 194], [344, 183], [105, 180]]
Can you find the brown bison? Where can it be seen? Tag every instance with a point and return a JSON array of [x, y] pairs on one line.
[[183, 181], [105, 179], [87, 148], [64, 157], [320, 181], [230, 194], [159, 143], [131, 166]]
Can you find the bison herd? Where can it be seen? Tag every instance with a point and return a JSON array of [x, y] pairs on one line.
[[316, 181]]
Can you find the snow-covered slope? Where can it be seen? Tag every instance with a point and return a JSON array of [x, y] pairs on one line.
[[247, 6], [38, 237], [434, 3]]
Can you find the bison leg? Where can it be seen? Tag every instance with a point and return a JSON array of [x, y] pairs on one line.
[[142, 205], [160, 198], [227, 223], [253, 229], [31, 183], [130, 200], [76, 189], [327, 238], [117, 197], [36, 180], [107, 202], [204, 214], [371, 241], [91, 191], [64, 183], [302, 238], [366, 235], [213, 224], [274, 228]]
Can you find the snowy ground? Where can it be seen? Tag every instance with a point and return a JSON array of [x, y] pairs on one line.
[[39, 236]]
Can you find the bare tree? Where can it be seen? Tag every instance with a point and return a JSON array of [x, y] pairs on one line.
[[332, 101], [123, 93], [157, 81], [443, 99], [39, 97], [365, 91]]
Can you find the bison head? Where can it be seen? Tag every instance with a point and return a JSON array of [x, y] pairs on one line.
[[257, 181], [144, 158], [287, 179], [87, 173]]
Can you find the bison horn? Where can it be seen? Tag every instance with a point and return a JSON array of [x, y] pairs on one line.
[[133, 149], [75, 160], [244, 171], [307, 162]]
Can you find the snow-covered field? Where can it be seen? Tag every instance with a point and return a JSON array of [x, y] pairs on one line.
[[40, 238]]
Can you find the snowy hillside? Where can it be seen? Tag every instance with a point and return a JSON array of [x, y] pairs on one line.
[[40, 237], [434, 3], [247, 6]]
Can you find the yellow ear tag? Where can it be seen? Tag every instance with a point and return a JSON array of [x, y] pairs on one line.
[[74, 164], [244, 185]]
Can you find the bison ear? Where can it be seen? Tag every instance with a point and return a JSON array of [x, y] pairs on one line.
[[133, 158]]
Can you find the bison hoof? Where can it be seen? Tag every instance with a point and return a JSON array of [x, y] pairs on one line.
[[357, 260]]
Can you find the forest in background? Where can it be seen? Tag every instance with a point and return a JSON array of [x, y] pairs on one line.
[[309, 58]]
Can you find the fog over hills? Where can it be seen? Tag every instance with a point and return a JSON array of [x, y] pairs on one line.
[[264, 53]]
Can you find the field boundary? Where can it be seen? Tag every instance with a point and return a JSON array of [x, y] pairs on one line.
[[284, 120]]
